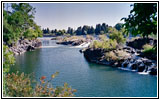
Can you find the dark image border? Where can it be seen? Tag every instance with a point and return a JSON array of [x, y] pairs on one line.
[[82, 97]]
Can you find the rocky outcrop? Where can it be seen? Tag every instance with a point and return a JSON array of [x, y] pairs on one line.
[[25, 45], [139, 42], [125, 58], [74, 42]]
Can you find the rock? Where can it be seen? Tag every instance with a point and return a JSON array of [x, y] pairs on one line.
[[125, 64], [25, 45], [147, 62], [138, 43], [30, 48], [153, 71], [129, 49], [134, 66], [138, 51], [141, 68], [93, 54], [82, 50], [127, 57]]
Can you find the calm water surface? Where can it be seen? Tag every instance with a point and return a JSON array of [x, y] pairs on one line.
[[90, 80]]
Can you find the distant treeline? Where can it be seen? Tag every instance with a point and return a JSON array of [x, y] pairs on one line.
[[99, 29]]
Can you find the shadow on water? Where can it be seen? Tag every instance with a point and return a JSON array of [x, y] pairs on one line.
[[29, 65]]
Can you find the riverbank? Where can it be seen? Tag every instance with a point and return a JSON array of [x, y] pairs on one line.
[[126, 58], [25, 45]]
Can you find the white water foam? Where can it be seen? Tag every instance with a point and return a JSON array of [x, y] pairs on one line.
[[144, 73], [83, 45], [49, 46]]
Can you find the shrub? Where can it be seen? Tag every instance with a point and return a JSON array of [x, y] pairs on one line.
[[89, 37], [147, 47], [19, 85], [102, 37], [70, 38], [118, 36], [149, 50], [110, 56], [8, 59], [116, 55], [106, 45]]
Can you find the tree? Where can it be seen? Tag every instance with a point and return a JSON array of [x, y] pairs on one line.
[[98, 29], [48, 31], [104, 28], [18, 22], [118, 26], [79, 31], [142, 19], [85, 29], [91, 30]]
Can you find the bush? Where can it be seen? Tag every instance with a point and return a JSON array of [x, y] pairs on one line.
[[110, 56], [118, 36], [149, 49], [102, 37], [19, 85], [89, 37], [116, 55], [8, 59], [106, 45], [70, 38]]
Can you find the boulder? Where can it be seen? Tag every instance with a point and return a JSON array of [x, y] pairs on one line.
[[30, 48], [134, 66], [141, 68], [153, 71], [93, 54]]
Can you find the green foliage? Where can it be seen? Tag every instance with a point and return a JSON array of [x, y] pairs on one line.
[[18, 23], [19, 85], [118, 26], [30, 34], [102, 37], [118, 36], [116, 55], [142, 19], [111, 29], [147, 46], [149, 49], [106, 45], [110, 56], [8, 59]]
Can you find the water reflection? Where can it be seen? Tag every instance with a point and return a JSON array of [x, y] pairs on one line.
[[29, 65]]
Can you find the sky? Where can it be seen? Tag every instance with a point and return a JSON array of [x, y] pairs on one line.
[[64, 15]]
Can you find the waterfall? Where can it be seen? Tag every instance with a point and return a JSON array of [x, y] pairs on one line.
[[138, 64], [48, 43]]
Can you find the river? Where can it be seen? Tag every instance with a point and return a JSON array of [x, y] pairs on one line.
[[90, 80]]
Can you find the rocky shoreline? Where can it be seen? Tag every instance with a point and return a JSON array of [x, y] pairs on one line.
[[127, 58], [25, 45], [74, 40]]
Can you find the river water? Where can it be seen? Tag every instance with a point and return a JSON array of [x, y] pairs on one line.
[[90, 80]]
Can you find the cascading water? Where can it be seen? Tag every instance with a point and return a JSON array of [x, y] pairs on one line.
[[48, 43], [138, 64]]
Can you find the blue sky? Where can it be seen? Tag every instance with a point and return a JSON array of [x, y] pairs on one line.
[[64, 15]]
